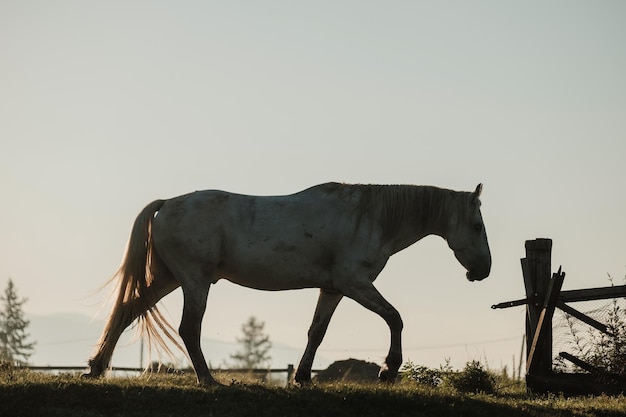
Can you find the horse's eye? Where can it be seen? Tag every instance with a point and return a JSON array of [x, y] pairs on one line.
[[478, 227]]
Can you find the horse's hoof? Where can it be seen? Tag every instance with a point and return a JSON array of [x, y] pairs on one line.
[[91, 375], [209, 383], [303, 380], [385, 375]]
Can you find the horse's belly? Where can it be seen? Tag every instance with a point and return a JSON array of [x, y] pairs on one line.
[[276, 277]]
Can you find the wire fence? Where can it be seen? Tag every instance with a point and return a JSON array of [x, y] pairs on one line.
[[575, 337]]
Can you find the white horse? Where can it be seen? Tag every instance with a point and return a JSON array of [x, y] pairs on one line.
[[335, 237]]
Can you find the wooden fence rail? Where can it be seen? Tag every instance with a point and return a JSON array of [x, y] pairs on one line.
[[289, 370]]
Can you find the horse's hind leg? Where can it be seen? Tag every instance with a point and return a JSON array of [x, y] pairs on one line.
[[195, 300], [121, 317], [326, 305]]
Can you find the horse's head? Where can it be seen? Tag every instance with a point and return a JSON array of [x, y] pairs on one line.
[[468, 239]]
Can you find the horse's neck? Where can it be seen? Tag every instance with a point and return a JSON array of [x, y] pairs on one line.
[[435, 209]]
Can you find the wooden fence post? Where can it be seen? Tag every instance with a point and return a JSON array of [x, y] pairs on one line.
[[536, 270], [544, 324], [290, 371]]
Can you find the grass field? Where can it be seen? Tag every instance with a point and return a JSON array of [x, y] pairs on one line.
[[24, 393]]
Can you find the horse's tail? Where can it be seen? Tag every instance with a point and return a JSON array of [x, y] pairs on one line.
[[136, 298]]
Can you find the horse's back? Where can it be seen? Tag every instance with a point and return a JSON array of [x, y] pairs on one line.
[[273, 242]]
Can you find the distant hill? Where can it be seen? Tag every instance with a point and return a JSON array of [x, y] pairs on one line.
[[68, 339]]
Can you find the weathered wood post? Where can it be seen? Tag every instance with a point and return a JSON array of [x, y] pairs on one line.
[[536, 269], [290, 371]]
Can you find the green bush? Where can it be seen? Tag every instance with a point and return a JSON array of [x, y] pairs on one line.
[[473, 378], [422, 374]]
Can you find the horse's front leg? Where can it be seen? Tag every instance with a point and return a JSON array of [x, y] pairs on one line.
[[368, 296], [326, 305]]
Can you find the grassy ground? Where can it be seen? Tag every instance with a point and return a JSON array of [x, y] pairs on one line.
[[24, 393]]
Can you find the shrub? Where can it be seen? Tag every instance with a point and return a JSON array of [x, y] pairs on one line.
[[473, 378], [422, 374]]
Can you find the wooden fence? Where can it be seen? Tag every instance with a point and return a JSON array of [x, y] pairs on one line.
[[543, 296], [289, 370]]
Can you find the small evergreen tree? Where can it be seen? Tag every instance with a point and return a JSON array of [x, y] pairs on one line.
[[255, 345], [14, 347]]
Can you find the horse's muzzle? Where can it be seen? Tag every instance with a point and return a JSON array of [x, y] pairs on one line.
[[474, 275]]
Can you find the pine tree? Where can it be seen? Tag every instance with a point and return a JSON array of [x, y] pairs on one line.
[[14, 347], [255, 346]]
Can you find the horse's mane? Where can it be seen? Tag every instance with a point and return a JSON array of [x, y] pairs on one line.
[[398, 206]]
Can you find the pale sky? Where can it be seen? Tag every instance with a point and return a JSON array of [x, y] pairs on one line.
[[106, 106]]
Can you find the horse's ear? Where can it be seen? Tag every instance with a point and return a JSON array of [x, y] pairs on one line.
[[479, 189]]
